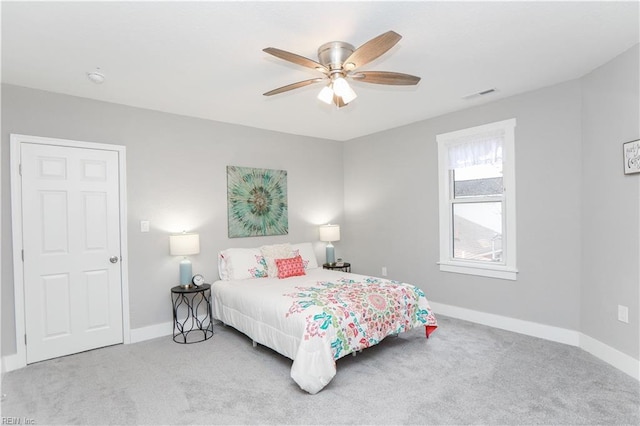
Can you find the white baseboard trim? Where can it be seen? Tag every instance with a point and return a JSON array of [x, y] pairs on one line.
[[157, 330], [614, 357], [10, 363], [547, 332], [151, 332]]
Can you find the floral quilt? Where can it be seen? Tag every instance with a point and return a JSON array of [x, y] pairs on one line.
[[319, 317], [356, 314]]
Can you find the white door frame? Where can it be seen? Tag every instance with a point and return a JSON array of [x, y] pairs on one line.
[[16, 226]]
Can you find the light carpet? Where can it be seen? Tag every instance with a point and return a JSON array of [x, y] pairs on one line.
[[464, 374]]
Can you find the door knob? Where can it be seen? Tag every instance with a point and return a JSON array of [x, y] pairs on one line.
[[113, 259]]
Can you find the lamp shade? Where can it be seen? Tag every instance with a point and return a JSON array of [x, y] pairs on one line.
[[330, 233], [184, 244]]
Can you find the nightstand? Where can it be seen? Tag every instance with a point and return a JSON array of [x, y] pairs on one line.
[[192, 319], [344, 266]]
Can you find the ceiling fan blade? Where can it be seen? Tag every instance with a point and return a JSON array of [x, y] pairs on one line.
[[385, 77], [371, 50], [296, 59], [292, 86]]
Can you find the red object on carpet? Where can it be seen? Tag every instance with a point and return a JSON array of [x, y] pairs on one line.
[[428, 329]]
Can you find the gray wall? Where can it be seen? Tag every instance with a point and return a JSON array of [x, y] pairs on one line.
[[391, 197], [610, 200], [577, 214], [176, 178]]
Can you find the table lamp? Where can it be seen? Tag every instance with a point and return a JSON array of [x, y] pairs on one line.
[[330, 233], [184, 245]]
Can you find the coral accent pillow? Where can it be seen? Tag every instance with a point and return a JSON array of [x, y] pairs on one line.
[[291, 267], [273, 252]]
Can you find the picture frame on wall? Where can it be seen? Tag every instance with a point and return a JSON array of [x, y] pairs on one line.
[[631, 152], [257, 203]]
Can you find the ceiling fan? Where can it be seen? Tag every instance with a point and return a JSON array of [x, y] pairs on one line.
[[339, 61]]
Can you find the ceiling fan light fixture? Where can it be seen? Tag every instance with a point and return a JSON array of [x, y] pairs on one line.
[[338, 60], [326, 95], [349, 96], [343, 90]]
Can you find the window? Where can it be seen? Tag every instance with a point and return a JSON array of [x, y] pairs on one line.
[[477, 200]]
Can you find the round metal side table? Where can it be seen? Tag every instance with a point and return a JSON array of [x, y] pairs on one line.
[[344, 266], [192, 318]]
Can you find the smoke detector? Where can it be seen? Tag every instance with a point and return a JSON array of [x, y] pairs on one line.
[[96, 76]]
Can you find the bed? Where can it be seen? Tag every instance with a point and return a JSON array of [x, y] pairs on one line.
[[308, 314]]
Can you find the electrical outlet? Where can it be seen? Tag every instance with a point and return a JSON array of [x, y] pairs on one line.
[[623, 314], [384, 271], [144, 226]]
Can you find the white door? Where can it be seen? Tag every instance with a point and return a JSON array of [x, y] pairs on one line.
[[71, 242]]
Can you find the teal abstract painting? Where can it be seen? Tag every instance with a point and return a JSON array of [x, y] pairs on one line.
[[257, 202]]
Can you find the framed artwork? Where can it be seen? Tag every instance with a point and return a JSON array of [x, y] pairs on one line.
[[631, 151], [256, 202]]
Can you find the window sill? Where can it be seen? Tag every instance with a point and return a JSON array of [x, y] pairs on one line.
[[491, 271]]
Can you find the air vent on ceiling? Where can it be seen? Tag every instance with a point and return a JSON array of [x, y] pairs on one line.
[[478, 94]]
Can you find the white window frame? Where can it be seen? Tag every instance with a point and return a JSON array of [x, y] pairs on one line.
[[507, 268]]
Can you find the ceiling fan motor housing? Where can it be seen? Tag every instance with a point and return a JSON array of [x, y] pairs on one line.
[[333, 54]]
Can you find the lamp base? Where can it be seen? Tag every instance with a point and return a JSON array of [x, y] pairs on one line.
[[331, 255], [185, 273]]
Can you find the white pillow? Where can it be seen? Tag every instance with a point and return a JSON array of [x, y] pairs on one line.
[[273, 252], [223, 273], [305, 250], [241, 263]]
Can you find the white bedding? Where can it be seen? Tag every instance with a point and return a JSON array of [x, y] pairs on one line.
[[319, 317]]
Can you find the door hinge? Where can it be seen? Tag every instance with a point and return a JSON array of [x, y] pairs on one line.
[[22, 255], [20, 169], [25, 339]]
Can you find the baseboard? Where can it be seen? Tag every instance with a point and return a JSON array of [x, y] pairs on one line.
[[157, 330], [547, 332], [151, 332], [10, 363], [614, 357]]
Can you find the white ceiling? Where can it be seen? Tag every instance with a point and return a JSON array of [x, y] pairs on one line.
[[205, 59]]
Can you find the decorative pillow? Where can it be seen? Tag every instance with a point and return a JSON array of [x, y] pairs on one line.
[[241, 263], [290, 267], [305, 250], [273, 252]]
